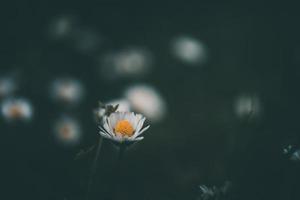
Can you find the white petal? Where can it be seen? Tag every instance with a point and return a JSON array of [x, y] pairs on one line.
[[137, 139], [140, 124], [108, 129], [130, 117], [138, 118], [105, 135], [105, 131], [111, 128], [143, 130], [113, 119], [118, 138]]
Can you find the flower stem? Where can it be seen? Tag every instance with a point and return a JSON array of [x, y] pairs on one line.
[[114, 185], [94, 167], [120, 155]]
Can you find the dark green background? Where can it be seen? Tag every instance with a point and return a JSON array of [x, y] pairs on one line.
[[252, 49]]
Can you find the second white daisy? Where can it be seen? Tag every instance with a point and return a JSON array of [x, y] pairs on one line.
[[123, 127], [17, 109]]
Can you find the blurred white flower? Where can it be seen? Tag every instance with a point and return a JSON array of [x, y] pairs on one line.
[[67, 90], [214, 192], [247, 106], [68, 28], [67, 130], [123, 127], [7, 86], [287, 149], [86, 40], [16, 109], [189, 50], [207, 192], [295, 156], [132, 62], [62, 26], [146, 100]]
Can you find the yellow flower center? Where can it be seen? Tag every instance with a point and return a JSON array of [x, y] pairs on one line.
[[66, 132], [124, 128], [15, 111]]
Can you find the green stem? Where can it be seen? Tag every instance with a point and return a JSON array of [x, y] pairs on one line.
[[94, 167], [121, 153], [114, 185]]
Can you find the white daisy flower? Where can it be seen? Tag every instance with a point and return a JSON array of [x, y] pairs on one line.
[[67, 90], [123, 127], [67, 130], [295, 156], [247, 106], [7, 86], [126, 63], [62, 26], [19, 108], [86, 40], [189, 50], [147, 101]]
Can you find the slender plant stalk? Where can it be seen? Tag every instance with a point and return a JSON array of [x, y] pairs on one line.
[[94, 167], [114, 186], [120, 155]]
